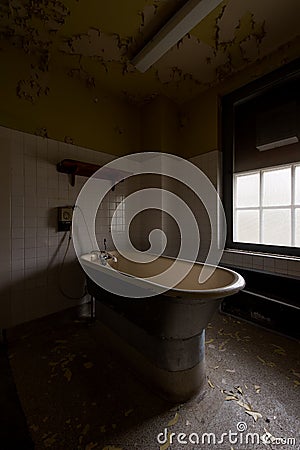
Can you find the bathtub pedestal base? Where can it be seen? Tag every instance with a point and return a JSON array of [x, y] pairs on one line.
[[173, 366], [162, 332], [176, 387]]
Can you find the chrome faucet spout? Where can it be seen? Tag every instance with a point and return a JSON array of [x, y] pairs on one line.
[[102, 255], [108, 255]]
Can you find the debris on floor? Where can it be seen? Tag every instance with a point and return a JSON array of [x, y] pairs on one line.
[[77, 394]]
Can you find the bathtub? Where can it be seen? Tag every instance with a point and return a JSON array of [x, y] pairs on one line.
[[162, 335]]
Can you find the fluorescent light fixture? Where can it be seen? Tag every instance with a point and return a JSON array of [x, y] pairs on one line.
[[176, 28], [279, 143]]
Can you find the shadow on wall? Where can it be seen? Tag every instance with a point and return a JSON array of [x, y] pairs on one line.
[[32, 296], [70, 276], [145, 221], [41, 289], [68, 271]]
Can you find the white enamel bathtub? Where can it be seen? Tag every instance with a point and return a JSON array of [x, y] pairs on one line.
[[162, 334], [147, 276], [186, 308]]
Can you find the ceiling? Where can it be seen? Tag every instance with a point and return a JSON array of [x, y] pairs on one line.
[[94, 41]]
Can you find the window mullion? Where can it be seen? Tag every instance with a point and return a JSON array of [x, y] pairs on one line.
[[261, 208], [234, 207], [260, 205], [293, 198]]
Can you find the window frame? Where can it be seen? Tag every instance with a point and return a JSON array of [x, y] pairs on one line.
[[228, 103], [292, 206]]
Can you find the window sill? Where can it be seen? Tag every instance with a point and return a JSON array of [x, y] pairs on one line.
[[262, 254]]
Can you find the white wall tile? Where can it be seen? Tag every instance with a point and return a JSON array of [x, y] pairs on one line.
[[42, 251], [17, 264], [17, 254], [32, 250], [269, 265], [32, 247], [18, 244], [281, 266], [29, 142], [17, 232], [30, 222]]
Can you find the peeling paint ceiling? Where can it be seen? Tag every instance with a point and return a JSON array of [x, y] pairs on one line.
[[95, 40]]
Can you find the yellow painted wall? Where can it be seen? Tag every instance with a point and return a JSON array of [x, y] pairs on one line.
[[151, 126], [159, 130], [114, 126], [199, 125], [170, 121], [108, 125]]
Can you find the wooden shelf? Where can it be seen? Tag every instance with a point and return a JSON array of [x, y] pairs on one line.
[[73, 167]]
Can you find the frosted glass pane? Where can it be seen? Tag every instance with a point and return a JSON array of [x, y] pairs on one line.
[[297, 227], [277, 187], [297, 185], [247, 226], [276, 227], [247, 190]]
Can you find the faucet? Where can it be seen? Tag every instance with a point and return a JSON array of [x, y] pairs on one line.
[[108, 255], [103, 255]]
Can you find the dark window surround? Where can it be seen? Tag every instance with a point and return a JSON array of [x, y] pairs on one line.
[[228, 103]]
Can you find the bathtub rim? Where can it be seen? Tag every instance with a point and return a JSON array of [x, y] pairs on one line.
[[224, 291]]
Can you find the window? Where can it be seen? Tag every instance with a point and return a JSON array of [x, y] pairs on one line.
[[261, 163], [267, 206]]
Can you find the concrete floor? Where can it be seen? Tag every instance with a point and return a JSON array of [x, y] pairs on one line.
[[78, 394], [14, 433]]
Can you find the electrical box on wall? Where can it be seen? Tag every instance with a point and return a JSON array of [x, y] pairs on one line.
[[65, 214]]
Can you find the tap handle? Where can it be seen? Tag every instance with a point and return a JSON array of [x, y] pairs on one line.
[[104, 242]]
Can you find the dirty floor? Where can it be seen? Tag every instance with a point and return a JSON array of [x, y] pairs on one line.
[[77, 394]]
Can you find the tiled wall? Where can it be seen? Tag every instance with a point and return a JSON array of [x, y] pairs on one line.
[[105, 223], [5, 232], [31, 247], [288, 266]]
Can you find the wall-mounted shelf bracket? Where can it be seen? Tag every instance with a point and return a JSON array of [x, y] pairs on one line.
[[73, 167]]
